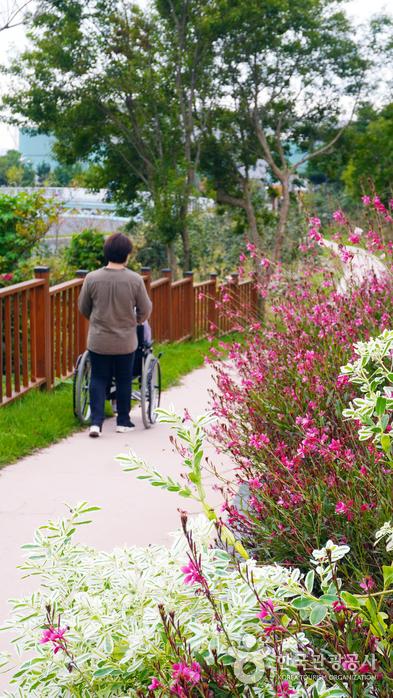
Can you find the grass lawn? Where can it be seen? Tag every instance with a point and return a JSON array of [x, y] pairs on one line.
[[41, 418]]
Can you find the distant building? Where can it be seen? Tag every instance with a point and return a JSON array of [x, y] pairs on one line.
[[37, 148]]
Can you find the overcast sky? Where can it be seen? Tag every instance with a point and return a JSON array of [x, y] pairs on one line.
[[13, 40]]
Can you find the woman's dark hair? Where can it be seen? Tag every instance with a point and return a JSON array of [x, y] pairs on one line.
[[117, 248]]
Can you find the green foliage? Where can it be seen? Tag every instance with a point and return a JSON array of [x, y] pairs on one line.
[[372, 156], [15, 172], [105, 624], [364, 153], [216, 243], [24, 221], [85, 250]]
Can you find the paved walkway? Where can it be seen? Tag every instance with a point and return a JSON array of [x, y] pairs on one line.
[[78, 468]]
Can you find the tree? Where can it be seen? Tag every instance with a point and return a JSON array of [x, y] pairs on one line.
[[285, 65], [43, 171], [14, 171], [120, 87], [365, 155], [372, 157], [24, 221]]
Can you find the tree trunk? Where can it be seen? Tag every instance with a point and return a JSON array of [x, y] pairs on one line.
[[171, 256], [185, 236], [283, 219], [251, 218]]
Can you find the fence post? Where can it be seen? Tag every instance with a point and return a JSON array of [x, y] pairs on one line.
[[44, 327], [167, 273], [146, 273], [83, 323], [190, 304], [212, 310]]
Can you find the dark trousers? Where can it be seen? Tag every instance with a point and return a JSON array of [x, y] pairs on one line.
[[104, 367]]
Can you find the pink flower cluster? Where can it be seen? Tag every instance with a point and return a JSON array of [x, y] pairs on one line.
[[280, 418], [56, 637], [184, 676]]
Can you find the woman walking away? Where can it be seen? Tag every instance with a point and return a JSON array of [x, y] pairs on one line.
[[115, 301]]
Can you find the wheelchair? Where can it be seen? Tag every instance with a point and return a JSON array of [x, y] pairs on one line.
[[145, 389]]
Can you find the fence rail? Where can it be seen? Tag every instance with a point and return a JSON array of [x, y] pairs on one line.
[[42, 333]]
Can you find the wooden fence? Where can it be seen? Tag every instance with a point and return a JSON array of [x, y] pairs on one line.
[[42, 333]]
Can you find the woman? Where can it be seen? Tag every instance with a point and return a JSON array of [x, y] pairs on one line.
[[115, 301]]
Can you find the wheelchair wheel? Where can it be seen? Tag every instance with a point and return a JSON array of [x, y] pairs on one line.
[[81, 388], [150, 390]]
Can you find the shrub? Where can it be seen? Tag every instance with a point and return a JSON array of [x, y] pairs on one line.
[[303, 475], [85, 250], [24, 221], [193, 620]]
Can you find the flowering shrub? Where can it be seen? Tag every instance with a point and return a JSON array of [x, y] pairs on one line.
[[129, 624], [303, 475], [191, 621]]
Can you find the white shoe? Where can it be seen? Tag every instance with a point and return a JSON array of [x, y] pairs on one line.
[[94, 431], [124, 430]]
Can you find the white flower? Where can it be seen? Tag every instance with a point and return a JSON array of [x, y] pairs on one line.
[[386, 530], [331, 552]]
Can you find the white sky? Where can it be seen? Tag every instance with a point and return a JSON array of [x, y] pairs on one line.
[[13, 40]]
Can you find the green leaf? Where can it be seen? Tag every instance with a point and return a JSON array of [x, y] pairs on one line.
[[350, 600], [387, 576], [317, 614], [309, 581], [380, 406], [105, 671], [385, 442], [301, 602]]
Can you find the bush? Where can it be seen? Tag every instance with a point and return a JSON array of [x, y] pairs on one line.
[[303, 475], [24, 221], [193, 620], [85, 250]]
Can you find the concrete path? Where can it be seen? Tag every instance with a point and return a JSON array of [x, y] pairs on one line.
[[79, 468]]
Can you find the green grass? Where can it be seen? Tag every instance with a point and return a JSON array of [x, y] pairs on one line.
[[41, 418]]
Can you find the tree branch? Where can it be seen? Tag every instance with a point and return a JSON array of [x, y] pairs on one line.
[[261, 135], [327, 146], [224, 198]]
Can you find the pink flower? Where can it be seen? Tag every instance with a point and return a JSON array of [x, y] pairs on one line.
[[367, 583], [365, 669], [339, 217], [265, 263], [182, 671], [155, 683], [378, 204], [314, 234], [338, 606], [258, 440], [342, 380], [7, 277], [354, 238], [56, 636], [315, 222], [284, 690], [343, 508], [267, 608], [366, 200], [346, 255], [192, 574]]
